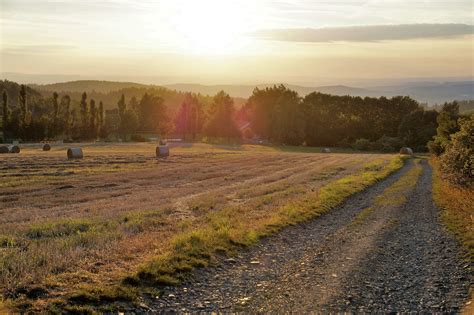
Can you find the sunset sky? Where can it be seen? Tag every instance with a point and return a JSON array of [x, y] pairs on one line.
[[247, 41]]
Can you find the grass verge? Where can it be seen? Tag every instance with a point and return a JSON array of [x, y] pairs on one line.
[[457, 214], [456, 204]]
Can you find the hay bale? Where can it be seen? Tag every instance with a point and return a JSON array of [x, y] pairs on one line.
[[46, 147], [74, 153], [14, 149], [162, 151], [326, 150], [406, 151], [4, 149]]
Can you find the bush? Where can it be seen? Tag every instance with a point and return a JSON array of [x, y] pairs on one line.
[[437, 146], [362, 144], [388, 144], [456, 163]]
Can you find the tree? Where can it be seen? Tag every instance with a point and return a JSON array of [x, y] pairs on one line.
[[122, 108], [447, 125], [66, 123], [54, 126], [129, 122], [5, 115], [153, 115], [93, 120], [277, 114], [102, 132], [133, 105], [417, 128], [457, 163], [190, 117], [221, 121], [84, 116], [289, 122], [23, 105]]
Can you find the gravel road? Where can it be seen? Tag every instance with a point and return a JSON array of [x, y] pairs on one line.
[[399, 259]]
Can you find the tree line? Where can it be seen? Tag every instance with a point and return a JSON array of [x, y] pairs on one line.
[[55, 117], [282, 116], [276, 114]]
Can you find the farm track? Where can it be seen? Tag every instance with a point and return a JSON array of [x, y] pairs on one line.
[[397, 258]]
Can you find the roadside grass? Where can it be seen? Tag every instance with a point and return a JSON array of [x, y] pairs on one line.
[[457, 208], [457, 214], [228, 230]]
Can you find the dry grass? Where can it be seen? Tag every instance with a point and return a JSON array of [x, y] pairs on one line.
[[68, 226], [457, 209]]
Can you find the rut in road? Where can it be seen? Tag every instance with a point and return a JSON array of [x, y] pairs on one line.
[[383, 250]]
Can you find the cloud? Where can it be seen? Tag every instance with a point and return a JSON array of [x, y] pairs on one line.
[[37, 49], [367, 33]]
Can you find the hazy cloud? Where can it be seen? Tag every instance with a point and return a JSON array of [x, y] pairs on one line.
[[366, 33], [38, 49]]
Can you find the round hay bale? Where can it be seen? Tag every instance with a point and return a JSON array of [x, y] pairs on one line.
[[162, 151], [46, 147], [326, 150], [14, 149], [74, 153], [4, 149], [406, 151]]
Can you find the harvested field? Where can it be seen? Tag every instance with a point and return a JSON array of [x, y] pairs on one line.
[[67, 225]]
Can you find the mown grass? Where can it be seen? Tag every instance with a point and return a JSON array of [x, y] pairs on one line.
[[457, 208], [228, 230]]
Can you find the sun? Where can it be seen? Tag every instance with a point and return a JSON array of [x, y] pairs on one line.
[[211, 26]]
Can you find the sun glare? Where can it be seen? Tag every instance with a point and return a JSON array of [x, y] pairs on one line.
[[211, 27]]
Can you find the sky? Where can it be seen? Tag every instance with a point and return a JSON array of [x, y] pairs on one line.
[[246, 41]]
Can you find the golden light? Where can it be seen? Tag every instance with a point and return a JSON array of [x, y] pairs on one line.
[[211, 26]]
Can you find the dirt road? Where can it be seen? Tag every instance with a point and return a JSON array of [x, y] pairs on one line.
[[382, 250]]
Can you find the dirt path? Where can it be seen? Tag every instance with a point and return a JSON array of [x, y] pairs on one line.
[[383, 250]]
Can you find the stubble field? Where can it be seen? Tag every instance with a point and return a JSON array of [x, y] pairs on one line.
[[75, 225]]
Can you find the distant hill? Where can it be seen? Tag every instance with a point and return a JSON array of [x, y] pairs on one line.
[[425, 92], [432, 92], [244, 91], [110, 91], [13, 92], [88, 86]]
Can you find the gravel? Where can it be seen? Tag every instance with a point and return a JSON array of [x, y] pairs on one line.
[[399, 260]]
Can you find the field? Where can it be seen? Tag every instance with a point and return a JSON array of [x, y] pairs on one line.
[[69, 226]]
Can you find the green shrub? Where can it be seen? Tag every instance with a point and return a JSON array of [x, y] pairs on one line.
[[456, 163], [387, 144], [362, 144]]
